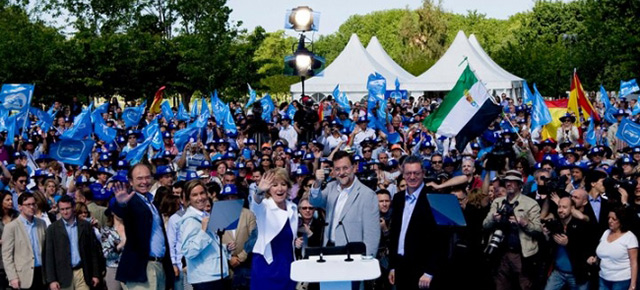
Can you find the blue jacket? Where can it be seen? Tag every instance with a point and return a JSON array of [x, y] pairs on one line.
[[200, 249]]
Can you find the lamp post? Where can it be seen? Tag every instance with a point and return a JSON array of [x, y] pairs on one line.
[[303, 62]]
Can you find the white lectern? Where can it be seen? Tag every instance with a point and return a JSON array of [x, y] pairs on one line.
[[335, 273]]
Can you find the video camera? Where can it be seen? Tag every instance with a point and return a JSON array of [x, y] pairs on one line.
[[554, 226], [496, 159], [556, 184]]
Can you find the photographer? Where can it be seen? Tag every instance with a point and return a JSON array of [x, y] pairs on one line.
[[515, 220], [570, 248]]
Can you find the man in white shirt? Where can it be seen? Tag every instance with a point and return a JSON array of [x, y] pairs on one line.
[[287, 132], [361, 132]]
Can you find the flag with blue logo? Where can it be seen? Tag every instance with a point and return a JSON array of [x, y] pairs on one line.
[[44, 120], [629, 132], [252, 97], [635, 110], [167, 113], [229, 124], [81, 126], [70, 151], [377, 87], [590, 136], [182, 115], [341, 99], [152, 132], [100, 110], [608, 108], [51, 111], [291, 111], [267, 107], [628, 87], [528, 96], [540, 114], [194, 109], [10, 124], [204, 108], [4, 114], [16, 96], [181, 137], [201, 121], [218, 107], [132, 115], [135, 155], [103, 131]]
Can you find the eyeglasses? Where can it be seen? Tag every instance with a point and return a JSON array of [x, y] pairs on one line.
[[436, 162], [366, 151], [307, 208], [29, 204], [22, 181]]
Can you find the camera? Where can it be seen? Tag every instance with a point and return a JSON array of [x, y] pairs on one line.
[[554, 184], [327, 172], [554, 226], [496, 159], [612, 185], [494, 242]]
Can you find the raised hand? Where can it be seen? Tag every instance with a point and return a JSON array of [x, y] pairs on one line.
[[121, 193], [266, 182]]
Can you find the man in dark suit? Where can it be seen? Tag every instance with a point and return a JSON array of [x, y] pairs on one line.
[[417, 248], [71, 251], [597, 209], [145, 262]]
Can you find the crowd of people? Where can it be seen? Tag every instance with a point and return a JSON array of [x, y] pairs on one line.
[[553, 213]]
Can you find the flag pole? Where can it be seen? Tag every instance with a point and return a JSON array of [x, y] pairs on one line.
[[26, 118]]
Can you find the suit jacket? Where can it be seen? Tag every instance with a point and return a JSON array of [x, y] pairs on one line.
[[137, 219], [57, 253], [360, 215], [603, 223], [17, 254], [246, 224], [425, 245]]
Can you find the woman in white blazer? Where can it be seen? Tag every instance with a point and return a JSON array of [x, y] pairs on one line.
[[277, 221]]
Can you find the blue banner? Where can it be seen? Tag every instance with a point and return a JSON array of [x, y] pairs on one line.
[[204, 108], [71, 151], [252, 97], [135, 155], [629, 132], [540, 114], [181, 137], [628, 87], [609, 110], [590, 136], [132, 115], [100, 110], [267, 107], [182, 115], [103, 131], [527, 99], [398, 95], [81, 126], [167, 113], [194, 109], [11, 130], [4, 115], [291, 111], [229, 124], [16, 96], [218, 107], [377, 87], [44, 120]]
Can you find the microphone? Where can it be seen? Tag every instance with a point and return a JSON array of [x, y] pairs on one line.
[[348, 259], [321, 259]]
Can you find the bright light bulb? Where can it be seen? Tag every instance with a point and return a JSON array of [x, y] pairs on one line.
[[303, 62], [302, 17]]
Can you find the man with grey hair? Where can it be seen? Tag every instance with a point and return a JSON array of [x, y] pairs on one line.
[[417, 249], [468, 176]]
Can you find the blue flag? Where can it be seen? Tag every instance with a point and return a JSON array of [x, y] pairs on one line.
[[267, 107], [71, 151], [540, 114], [4, 115], [181, 137], [152, 132], [51, 111], [167, 113], [629, 132], [182, 115], [590, 136], [377, 87], [635, 110], [628, 87], [103, 131], [252, 97], [341, 100], [528, 96], [194, 109], [135, 155], [608, 108], [11, 130], [132, 115], [291, 111], [44, 120], [229, 124], [16, 96], [100, 110], [204, 108], [218, 107], [81, 126]]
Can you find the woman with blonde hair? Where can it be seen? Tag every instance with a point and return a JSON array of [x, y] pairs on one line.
[[277, 221]]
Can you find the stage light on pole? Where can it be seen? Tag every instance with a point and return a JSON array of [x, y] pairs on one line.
[[301, 18]]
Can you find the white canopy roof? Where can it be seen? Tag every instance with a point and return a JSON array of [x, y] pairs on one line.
[[350, 70], [476, 45], [444, 74], [375, 49]]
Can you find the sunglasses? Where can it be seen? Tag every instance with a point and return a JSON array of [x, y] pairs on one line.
[[307, 208], [436, 162]]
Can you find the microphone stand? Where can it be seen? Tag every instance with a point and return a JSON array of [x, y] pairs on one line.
[[348, 259], [321, 259], [219, 233]]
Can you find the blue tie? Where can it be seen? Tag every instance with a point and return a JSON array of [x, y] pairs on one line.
[[410, 198]]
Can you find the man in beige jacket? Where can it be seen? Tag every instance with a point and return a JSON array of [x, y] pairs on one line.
[[22, 242]]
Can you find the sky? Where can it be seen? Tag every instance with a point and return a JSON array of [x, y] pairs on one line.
[[270, 13]]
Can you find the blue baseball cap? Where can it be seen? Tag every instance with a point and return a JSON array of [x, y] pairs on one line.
[[205, 164], [302, 170], [191, 175], [163, 170], [229, 189]]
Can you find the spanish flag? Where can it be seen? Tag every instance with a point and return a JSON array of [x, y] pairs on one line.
[[557, 108], [156, 106], [579, 105]]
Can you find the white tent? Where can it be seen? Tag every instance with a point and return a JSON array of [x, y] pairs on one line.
[[350, 70], [375, 49], [444, 74], [476, 45]]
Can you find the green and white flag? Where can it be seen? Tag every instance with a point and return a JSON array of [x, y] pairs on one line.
[[466, 111]]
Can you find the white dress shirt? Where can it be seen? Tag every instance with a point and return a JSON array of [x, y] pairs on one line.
[[340, 202], [409, 205]]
